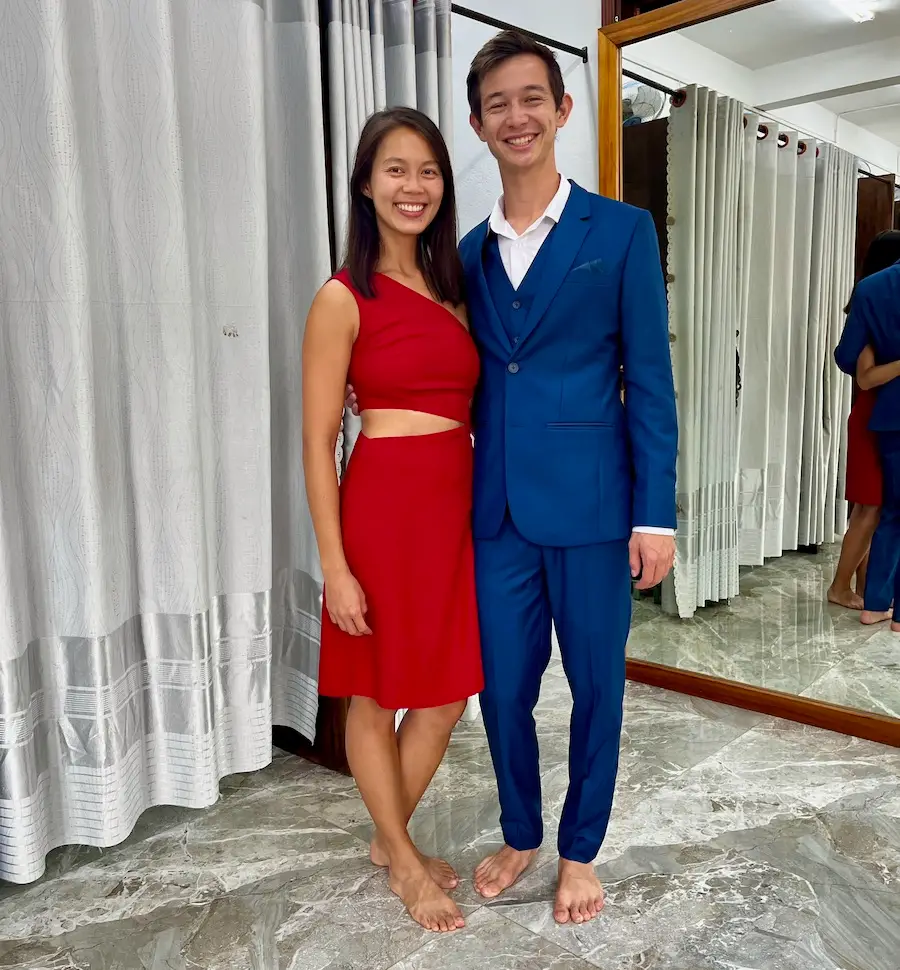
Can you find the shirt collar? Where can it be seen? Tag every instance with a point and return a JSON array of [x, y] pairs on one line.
[[553, 212]]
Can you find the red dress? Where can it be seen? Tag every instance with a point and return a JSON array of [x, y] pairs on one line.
[[864, 482], [406, 505]]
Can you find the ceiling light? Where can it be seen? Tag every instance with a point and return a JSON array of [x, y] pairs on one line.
[[857, 10]]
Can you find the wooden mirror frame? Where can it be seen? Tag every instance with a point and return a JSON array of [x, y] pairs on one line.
[[612, 38]]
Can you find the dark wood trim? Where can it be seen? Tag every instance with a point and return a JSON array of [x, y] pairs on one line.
[[328, 751], [806, 710], [609, 117], [610, 11], [683, 13]]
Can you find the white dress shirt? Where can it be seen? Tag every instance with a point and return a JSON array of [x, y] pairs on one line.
[[518, 252]]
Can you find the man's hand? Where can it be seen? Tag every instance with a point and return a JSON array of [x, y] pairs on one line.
[[652, 558], [351, 403]]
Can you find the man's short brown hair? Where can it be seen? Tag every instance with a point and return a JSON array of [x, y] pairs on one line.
[[503, 47]]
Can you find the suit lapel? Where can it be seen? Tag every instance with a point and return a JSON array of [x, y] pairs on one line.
[[494, 324], [565, 242]]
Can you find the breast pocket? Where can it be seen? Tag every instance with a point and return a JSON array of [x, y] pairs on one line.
[[592, 273]]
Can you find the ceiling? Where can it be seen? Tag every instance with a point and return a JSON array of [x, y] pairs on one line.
[[878, 110], [786, 30]]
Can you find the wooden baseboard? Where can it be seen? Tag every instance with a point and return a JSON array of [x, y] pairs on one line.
[[806, 710]]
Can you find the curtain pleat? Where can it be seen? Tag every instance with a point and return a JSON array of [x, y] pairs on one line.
[[761, 242], [704, 293]]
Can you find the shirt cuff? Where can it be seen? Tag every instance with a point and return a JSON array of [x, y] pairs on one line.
[[652, 530]]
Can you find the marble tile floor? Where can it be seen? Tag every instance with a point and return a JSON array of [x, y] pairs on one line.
[[781, 633], [738, 841]]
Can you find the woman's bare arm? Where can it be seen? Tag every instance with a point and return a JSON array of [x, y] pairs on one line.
[[331, 328], [869, 374]]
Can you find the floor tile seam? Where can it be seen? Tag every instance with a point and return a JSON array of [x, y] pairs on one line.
[[427, 941]]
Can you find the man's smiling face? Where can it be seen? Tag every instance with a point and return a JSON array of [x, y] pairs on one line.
[[519, 118]]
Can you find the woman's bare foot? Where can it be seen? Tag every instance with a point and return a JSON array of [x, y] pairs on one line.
[[498, 872], [871, 618], [440, 871], [428, 905], [579, 896], [846, 598]]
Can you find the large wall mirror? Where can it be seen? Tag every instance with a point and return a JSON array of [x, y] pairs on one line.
[[764, 138]]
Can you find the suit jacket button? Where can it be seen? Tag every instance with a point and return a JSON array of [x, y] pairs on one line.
[[513, 368]]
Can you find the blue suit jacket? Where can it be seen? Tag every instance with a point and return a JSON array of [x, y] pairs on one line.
[[553, 441], [875, 319]]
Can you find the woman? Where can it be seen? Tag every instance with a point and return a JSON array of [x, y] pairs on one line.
[[864, 478], [399, 624]]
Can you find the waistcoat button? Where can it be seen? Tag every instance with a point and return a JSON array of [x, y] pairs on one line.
[[513, 368], [516, 304]]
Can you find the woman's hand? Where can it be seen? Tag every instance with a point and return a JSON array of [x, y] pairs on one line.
[[346, 603]]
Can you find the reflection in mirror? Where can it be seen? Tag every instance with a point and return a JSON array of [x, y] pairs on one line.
[[764, 144]]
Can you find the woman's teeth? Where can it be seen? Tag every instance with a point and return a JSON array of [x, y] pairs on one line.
[[413, 210]]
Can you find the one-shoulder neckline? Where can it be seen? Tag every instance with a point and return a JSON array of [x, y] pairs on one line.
[[427, 299]]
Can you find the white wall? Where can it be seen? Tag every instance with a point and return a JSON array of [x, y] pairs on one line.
[[572, 22], [677, 60]]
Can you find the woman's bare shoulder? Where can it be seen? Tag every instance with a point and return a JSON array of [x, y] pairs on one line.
[[334, 306]]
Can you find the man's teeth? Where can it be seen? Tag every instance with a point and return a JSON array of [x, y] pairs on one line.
[[524, 140]]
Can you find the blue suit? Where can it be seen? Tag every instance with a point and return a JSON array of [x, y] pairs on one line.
[[875, 320], [563, 472]]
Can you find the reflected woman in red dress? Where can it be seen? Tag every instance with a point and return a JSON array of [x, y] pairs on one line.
[[400, 621], [864, 481]]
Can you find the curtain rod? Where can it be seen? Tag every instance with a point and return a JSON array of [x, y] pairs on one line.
[[481, 18], [652, 84]]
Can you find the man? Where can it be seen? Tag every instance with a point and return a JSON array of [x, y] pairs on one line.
[[574, 493]]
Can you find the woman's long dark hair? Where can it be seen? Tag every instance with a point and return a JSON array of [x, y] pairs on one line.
[[883, 251], [438, 256]]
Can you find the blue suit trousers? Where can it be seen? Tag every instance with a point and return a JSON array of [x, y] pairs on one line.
[[585, 591]]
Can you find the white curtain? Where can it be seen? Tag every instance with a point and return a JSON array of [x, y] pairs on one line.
[[761, 244], [162, 196], [793, 410], [705, 250], [823, 513]]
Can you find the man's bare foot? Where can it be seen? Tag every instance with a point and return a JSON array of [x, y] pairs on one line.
[[425, 901], [846, 598], [895, 627], [440, 871], [871, 618], [579, 896], [498, 872]]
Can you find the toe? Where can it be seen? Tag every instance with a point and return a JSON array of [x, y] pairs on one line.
[[561, 914], [587, 913]]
